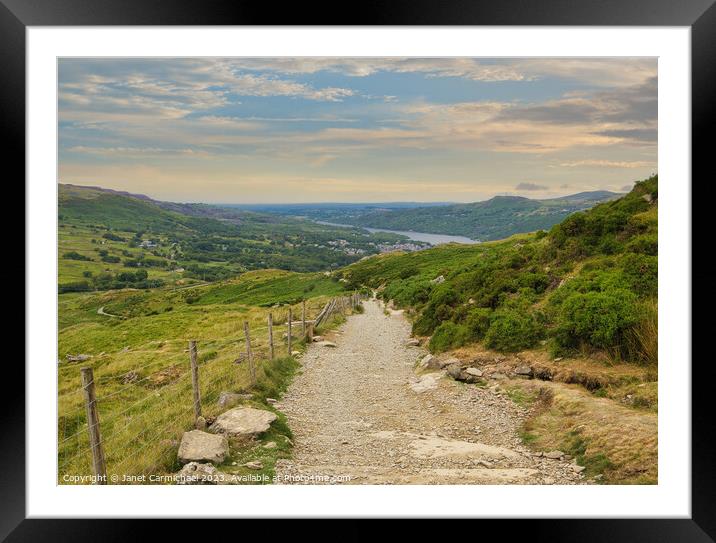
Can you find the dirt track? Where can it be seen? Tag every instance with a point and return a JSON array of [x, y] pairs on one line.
[[356, 419]]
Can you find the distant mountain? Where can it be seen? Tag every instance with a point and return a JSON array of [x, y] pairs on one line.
[[123, 208], [333, 212], [497, 218], [590, 196], [131, 212]]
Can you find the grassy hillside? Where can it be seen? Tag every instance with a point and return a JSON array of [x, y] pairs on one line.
[[497, 218], [110, 240], [141, 363], [589, 284]]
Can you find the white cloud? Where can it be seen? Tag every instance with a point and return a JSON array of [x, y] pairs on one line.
[[262, 85], [138, 152], [601, 72], [607, 164]]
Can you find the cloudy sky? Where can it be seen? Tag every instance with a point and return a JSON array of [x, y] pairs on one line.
[[241, 130]]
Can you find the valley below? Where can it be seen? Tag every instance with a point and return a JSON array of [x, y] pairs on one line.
[[432, 239]]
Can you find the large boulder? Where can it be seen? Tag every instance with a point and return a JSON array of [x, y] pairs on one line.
[[243, 421], [195, 473], [198, 446]]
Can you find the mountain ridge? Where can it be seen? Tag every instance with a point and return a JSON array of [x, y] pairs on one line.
[[488, 220]]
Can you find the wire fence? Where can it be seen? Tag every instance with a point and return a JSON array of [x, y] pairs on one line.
[[139, 416]]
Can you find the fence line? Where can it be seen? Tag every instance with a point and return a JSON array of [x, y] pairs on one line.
[[167, 405]]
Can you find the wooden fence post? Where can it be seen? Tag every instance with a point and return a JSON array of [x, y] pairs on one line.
[[98, 465], [303, 318], [309, 331], [250, 358], [270, 332], [195, 381], [290, 318]]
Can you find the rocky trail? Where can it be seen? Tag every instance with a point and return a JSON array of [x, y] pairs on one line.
[[362, 414]]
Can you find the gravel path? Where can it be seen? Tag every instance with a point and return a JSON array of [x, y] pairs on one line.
[[357, 420]]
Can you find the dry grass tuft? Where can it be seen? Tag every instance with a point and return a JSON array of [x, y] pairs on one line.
[[642, 341], [609, 439]]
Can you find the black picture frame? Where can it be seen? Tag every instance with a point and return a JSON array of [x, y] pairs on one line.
[[700, 15]]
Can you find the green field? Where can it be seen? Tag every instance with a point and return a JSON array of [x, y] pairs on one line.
[[149, 337]]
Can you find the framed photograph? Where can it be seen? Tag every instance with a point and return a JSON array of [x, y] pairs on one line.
[[404, 266]]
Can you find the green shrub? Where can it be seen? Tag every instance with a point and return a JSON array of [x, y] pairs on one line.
[[407, 272], [113, 237], [77, 286], [74, 255], [448, 336], [478, 322], [439, 309], [647, 244], [512, 330], [598, 319], [407, 293], [641, 273]]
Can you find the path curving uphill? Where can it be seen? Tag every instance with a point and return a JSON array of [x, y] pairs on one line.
[[361, 415]]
